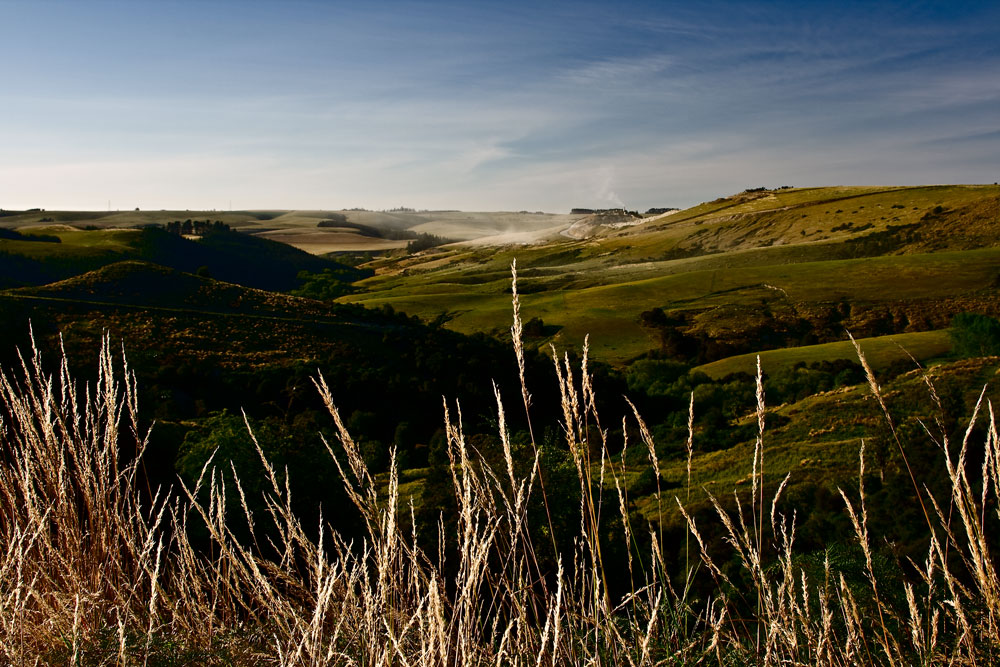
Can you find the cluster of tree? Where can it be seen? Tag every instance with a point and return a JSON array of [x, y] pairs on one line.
[[663, 382], [893, 237], [975, 335], [326, 285], [244, 259], [664, 387], [17, 270], [354, 258], [365, 230], [387, 371], [604, 211], [682, 339], [849, 225], [698, 347], [766, 189], [196, 227], [426, 241], [398, 234]]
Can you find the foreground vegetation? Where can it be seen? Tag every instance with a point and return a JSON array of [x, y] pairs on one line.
[[538, 521], [101, 569]]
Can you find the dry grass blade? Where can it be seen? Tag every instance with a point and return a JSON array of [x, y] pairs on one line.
[[94, 568], [877, 393]]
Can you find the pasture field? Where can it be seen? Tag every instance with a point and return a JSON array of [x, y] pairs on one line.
[[323, 241], [610, 312], [881, 351], [73, 242]]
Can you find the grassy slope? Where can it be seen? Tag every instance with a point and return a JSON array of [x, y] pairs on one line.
[[610, 312], [146, 285], [763, 246], [880, 352], [74, 243], [816, 441], [599, 286], [234, 257], [819, 444]]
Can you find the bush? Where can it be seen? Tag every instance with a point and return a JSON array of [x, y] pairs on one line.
[[975, 335], [425, 242], [327, 285]]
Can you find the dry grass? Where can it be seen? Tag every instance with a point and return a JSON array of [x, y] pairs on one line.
[[96, 569]]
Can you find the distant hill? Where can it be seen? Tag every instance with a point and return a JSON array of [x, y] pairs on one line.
[[226, 255], [863, 220], [239, 258], [357, 230], [148, 285]]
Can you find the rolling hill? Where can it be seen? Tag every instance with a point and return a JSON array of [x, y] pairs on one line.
[[364, 231], [762, 269], [231, 256], [678, 305], [150, 286]]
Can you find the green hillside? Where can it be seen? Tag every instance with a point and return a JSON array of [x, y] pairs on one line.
[[754, 271], [151, 286], [881, 352], [200, 346], [231, 256]]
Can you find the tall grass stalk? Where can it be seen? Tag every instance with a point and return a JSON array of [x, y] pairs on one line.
[[97, 570]]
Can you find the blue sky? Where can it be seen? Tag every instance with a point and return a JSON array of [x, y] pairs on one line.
[[486, 106]]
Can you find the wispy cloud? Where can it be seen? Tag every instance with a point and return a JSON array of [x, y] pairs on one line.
[[992, 137], [619, 71], [506, 106]]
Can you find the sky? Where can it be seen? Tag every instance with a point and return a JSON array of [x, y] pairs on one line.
[[486, 105]]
